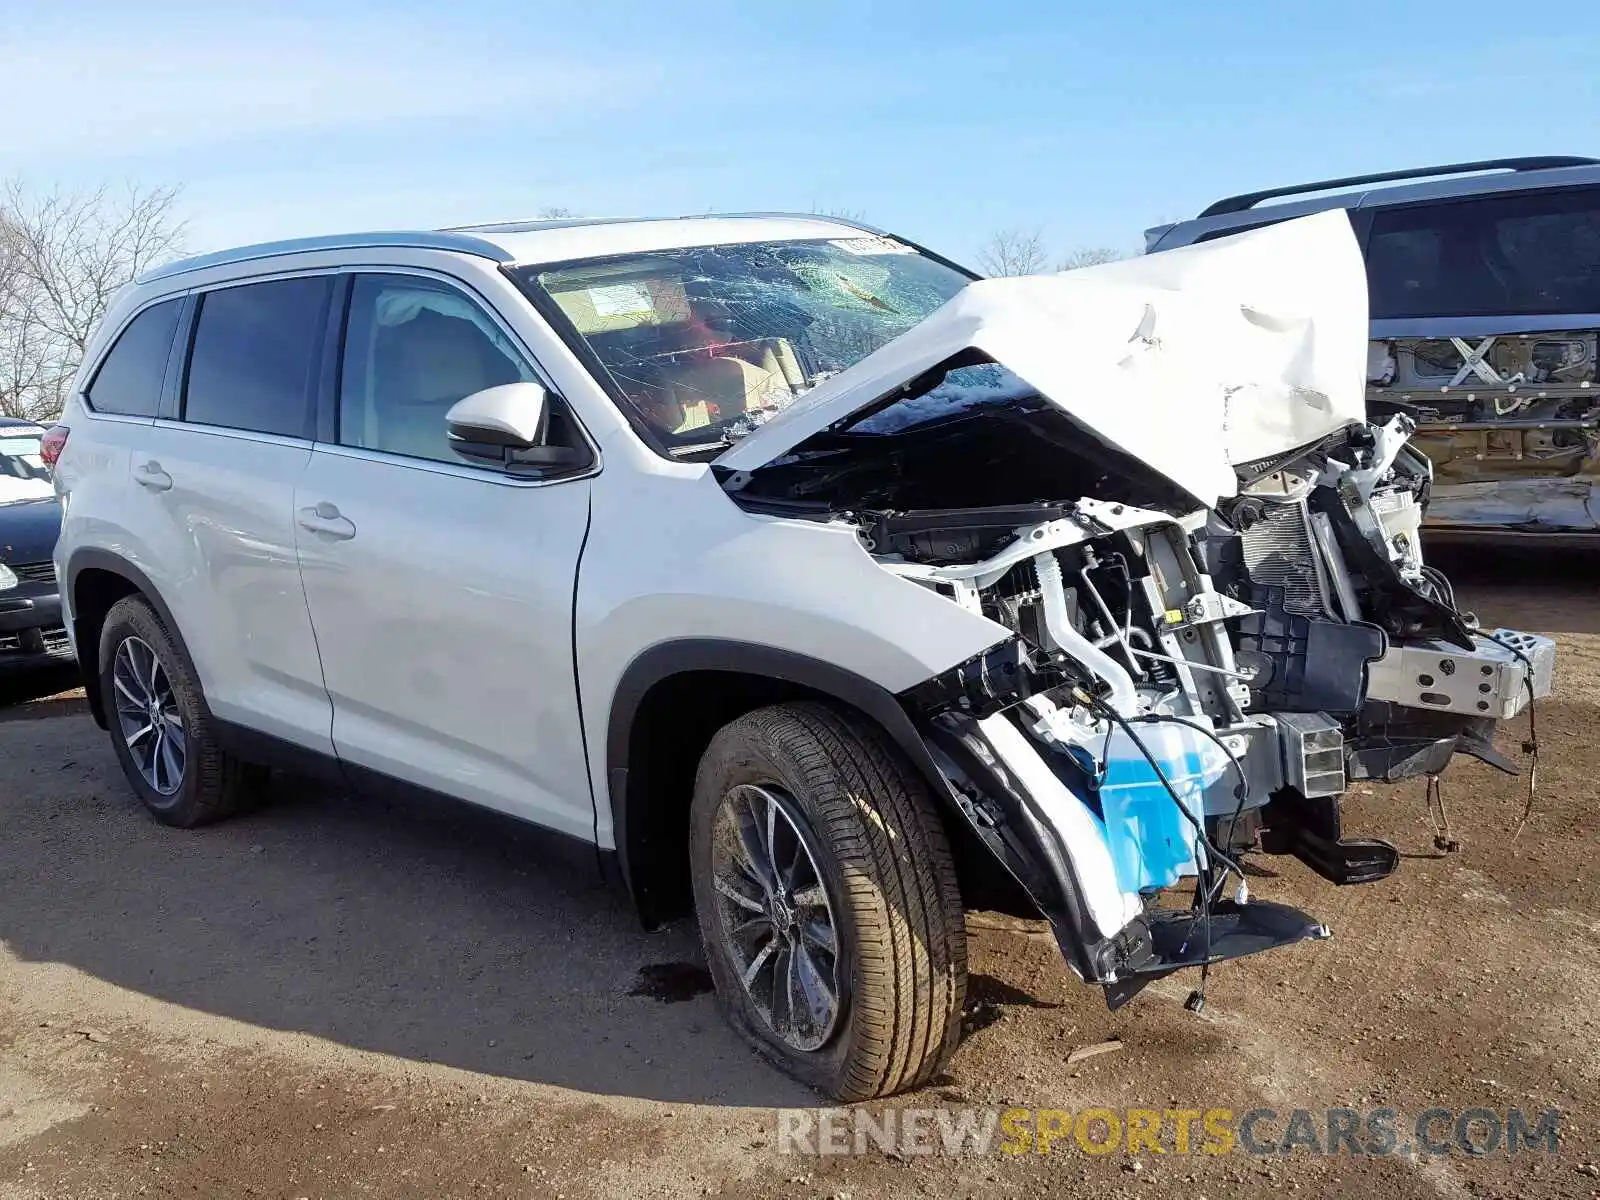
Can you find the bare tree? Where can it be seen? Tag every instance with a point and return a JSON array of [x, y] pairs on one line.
[[63, 256], [21, 363], [554, 212], [1088, 256], [1013, 252]]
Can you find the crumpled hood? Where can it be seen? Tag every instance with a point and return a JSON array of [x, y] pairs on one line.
[[1191, 360]]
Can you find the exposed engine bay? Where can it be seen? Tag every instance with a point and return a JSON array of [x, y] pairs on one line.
[[1208, 569], [1510, 421]]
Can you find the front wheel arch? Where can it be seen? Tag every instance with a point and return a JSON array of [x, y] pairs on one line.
[[670, 703]]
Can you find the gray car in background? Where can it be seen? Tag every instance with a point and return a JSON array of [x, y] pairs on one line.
[[1484, 288]]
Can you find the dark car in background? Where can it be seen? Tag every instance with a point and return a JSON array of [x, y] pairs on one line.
[[30, 520], [1484, 298]]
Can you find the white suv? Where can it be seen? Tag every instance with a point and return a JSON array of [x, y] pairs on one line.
[[821, 588]]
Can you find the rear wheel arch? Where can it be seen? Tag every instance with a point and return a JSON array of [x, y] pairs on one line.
[[671, 701], [96, 580]]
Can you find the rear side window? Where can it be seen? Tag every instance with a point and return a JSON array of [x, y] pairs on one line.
[[1510, 255], [255, 356], [129, 380]]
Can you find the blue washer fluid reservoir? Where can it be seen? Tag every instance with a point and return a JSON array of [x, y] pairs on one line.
[[1152, 843]]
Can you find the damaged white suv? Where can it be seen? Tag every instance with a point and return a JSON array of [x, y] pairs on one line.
[[822, 588]]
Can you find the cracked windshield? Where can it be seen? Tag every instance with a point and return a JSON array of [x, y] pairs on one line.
[[708, 342]]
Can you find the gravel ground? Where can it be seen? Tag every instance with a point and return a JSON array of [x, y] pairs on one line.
[[335, 998]]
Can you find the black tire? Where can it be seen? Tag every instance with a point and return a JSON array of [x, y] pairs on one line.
[[212, 784], [869, 824]]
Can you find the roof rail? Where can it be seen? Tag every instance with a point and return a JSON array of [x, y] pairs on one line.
[[1249, 200], [442, 239], [539, 224]]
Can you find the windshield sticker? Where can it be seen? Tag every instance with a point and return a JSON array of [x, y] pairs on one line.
[[871, 245], [620, 300]]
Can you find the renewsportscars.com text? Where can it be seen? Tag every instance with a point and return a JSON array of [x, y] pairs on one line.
[[1376, 1132]]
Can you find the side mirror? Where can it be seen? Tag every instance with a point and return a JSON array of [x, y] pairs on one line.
[[506, 426]]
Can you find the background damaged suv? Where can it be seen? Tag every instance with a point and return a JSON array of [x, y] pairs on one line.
[[825, 590], [1484, 279]]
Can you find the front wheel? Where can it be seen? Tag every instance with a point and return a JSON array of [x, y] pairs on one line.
[[827, 901]]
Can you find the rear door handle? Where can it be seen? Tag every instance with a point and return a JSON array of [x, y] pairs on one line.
[[327, 520], [152, 476]]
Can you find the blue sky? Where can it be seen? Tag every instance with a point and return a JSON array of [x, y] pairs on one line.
[[939, 120]]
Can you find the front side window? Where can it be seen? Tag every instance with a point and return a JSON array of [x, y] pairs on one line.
[[412, 349], [129, 380], [1510, 255], [704, 342], [255, 356]]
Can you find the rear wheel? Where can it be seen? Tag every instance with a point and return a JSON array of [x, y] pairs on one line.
[[827, 901], [162, 732]]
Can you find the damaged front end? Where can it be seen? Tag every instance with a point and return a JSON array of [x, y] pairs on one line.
[[1211, 568], [1248, 663]]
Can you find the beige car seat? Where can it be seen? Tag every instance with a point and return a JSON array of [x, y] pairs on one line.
[[711, 389], [432, 361]]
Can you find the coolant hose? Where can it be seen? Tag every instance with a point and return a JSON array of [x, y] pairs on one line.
[[1067, 639]]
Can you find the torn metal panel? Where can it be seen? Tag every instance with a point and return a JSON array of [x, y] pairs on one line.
[[1524, 506]]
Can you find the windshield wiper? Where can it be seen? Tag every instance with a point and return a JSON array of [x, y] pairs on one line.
[[699, 447], [865, 296]]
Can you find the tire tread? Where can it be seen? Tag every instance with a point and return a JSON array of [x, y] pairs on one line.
[[874, 813]]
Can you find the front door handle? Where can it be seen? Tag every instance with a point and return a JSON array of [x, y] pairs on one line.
[[151, 475], [327, 520]]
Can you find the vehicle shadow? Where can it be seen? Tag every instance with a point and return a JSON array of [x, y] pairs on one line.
[[434, 933], [32, 687], [1540, 590]]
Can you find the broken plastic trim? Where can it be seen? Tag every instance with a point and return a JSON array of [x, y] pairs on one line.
[[1177, 938], [1005, 816], [1401, 609], [1012, 825], [1311, 829]]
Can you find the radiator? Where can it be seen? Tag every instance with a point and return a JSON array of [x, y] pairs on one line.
[[1279, 552]]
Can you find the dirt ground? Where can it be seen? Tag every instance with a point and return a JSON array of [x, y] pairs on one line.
[[333, 998]]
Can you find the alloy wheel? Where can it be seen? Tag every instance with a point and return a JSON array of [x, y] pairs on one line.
[[148, 716], [777, 922]]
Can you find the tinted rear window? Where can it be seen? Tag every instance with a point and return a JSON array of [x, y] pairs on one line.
[[255, 355], [1519, 255], [129, 381]]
